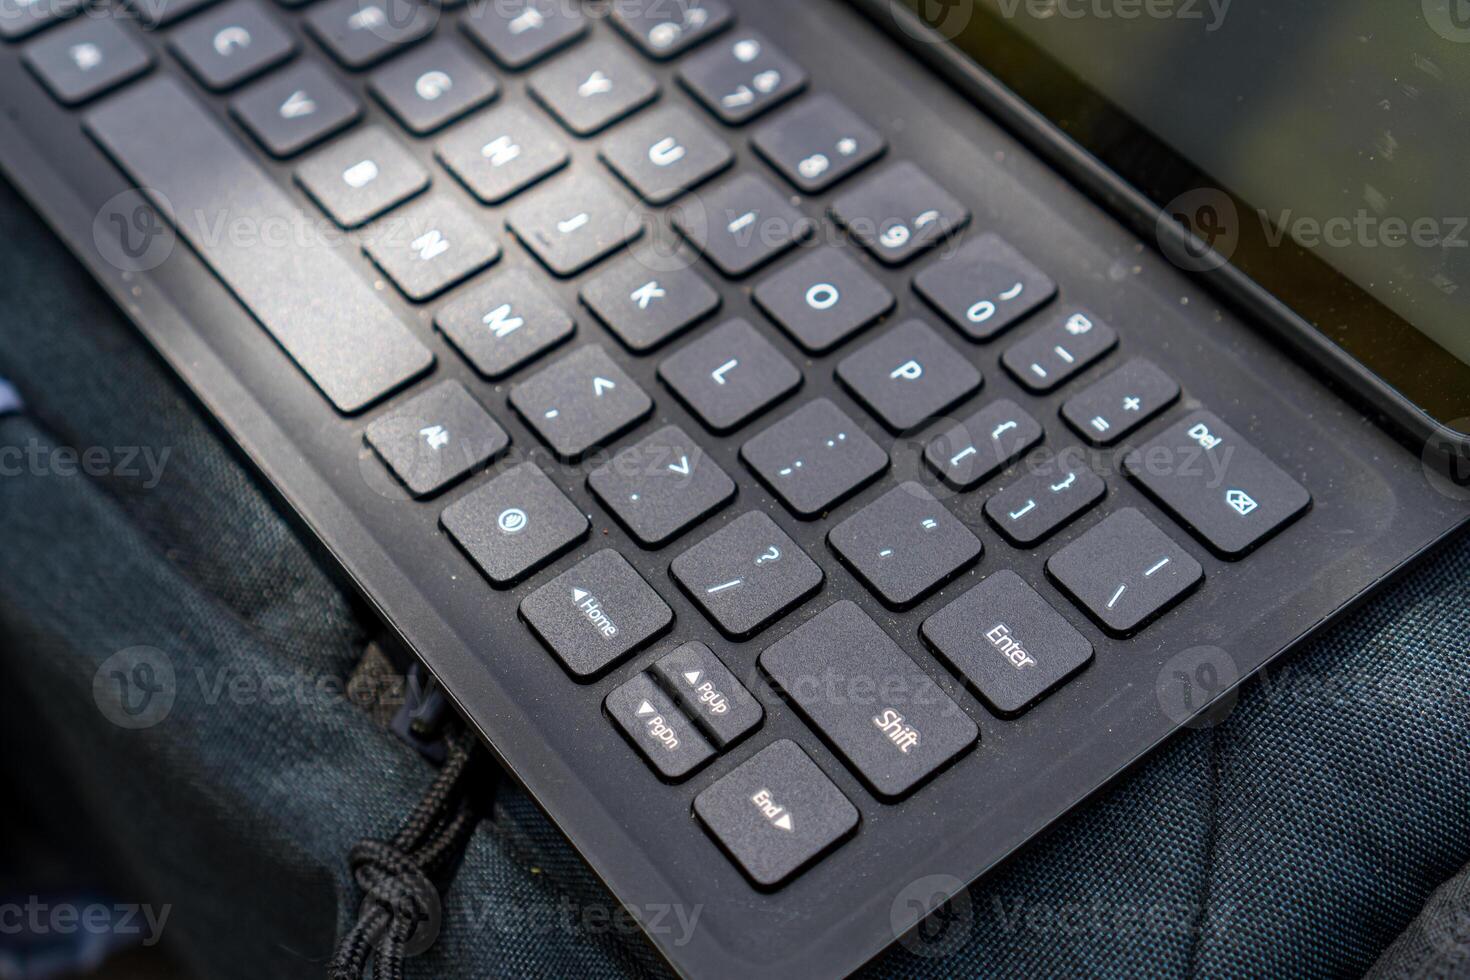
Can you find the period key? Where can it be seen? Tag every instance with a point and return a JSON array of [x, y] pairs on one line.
[[897, 735]]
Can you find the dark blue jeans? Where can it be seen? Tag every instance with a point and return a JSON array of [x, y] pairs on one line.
[[1299, 835]]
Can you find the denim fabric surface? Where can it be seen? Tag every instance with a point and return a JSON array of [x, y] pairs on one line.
[[1301, 834]]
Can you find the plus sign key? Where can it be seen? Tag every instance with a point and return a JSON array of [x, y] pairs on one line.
[[1113, 407], [580, 402]]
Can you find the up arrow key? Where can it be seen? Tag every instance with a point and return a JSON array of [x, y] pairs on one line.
[[692, 677], [599, 385]]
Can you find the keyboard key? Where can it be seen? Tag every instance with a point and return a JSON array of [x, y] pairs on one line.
[[900, 731], [898, 212], [647, 300], [517, 33], [504, 323], [295, 110], [81, 60], [515, 524], [20, 18], [574, 224], [667, 30], [232, 44], [1009, 644], [730, 375], [1122, 401], [666, 153], [972, 452], [1125, 572], [1046, 499], [815, 458], [429, 247], [905, 545], [817, 143], [1058, 351], [742, 224], [822, 299], [908, 376], [985, 288], [1217, 485], [660, 487], [747, 575], [658, 730], [596, 614], [593, 89], [741, 77], [776, 813], [437, 438], [705, 688], [499, 154], [161, 13], [362, 176], [361, 33], [433, 86], [581, 402], [354, 348]]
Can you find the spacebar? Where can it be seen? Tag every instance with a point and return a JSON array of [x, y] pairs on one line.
[[283, 267]]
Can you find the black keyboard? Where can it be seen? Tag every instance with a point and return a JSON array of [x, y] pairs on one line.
[[778, 309]]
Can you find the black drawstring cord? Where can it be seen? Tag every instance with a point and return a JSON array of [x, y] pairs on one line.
[[397, 877]]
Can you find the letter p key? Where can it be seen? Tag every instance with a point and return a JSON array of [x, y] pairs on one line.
[[908, 371]]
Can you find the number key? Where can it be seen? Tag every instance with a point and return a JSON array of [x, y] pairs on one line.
[[899, 212], [817, 143], [986, 288], [665, 30], [742, 77]]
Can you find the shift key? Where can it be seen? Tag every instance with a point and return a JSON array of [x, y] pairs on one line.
[[888, 719]]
